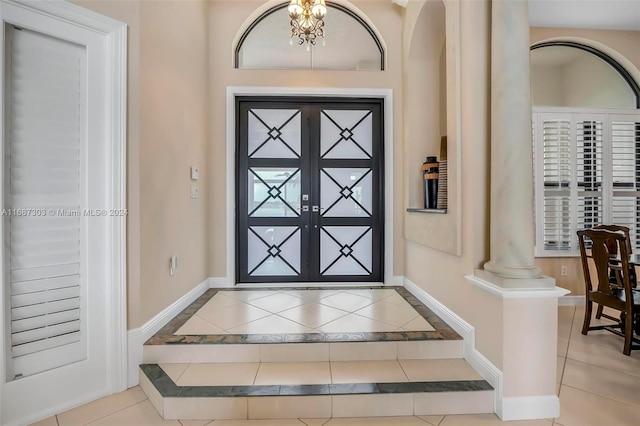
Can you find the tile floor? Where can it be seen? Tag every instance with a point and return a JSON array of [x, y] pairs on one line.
[[305, 311], [598, 386]]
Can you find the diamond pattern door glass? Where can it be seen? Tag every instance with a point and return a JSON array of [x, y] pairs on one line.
[[346, 192], [345, 250], [274, 133], [346, 134], [274, 192], [273, 250]]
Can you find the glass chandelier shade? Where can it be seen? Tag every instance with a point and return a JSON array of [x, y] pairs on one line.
[[307, 20]]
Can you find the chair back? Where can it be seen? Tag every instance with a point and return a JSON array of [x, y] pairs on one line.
[[617, 228], [601, 242]]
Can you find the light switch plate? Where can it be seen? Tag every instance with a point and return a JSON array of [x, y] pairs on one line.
[[195, 193], [195, 173]]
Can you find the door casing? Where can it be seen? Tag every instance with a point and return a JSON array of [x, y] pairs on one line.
[[24, 401], [235, 91]]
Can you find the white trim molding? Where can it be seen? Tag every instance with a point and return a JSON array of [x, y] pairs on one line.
[[507, 408], [571, 301], [385, 94], [528, 407], [138, 336], [516, 293], [479, 362], [219, 282]]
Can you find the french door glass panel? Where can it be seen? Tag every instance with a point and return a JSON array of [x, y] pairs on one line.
[[274, 250], [309, 190], [345, 250]]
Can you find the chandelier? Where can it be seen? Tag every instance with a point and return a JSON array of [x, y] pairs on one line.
[[307, 20]]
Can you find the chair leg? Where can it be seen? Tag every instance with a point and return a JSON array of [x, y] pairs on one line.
[[628, 334], [599, 311], [587, 316]]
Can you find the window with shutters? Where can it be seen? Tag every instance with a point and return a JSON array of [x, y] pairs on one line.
[[586, 172], [43, 198]]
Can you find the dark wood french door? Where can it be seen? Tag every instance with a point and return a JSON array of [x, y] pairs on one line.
[[309, 190]]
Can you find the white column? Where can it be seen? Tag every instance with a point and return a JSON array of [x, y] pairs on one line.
[[512, 226]]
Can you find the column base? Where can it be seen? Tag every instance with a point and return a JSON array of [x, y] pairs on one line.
[[509, 272], [539, 282]]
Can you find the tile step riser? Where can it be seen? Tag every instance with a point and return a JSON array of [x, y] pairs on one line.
[[257, 408], [356, 400], [301, 352]]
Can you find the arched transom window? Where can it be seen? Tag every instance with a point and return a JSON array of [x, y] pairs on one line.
[[349, 43]]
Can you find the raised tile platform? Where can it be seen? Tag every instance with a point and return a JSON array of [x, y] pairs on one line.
[[330, 352]]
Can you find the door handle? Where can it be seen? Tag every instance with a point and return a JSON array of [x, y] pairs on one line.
[[304, 208], [316, 208]]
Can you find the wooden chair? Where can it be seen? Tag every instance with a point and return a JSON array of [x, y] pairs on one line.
[[622, 296], [614, 276]]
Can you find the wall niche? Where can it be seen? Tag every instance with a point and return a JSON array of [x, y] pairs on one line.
[[431, 55]]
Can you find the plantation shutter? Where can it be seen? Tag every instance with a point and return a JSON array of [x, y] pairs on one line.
[[43, 196], [587, 164], [589, 172], [556, 181], [625, 153]]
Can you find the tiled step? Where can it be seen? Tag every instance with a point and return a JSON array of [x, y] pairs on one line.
[[290, 353], [300, 352], [305, 325], [315, 389]]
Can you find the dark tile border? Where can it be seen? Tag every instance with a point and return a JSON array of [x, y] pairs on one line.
[[167, 336], [167, 388]]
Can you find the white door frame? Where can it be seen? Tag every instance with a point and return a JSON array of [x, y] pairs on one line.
[[38, 15], [385, 94]]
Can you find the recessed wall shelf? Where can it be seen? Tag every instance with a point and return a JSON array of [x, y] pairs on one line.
[[436, 211]]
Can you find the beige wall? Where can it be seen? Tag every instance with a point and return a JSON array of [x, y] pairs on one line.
[[180, 64], [546, 85], [608, 88], [441, 274], [167, 132], [226, 19], [429, 28], [626, 44], [584, 82]]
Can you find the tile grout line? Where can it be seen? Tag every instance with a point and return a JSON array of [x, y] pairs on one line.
[[602, 396], [564, 363], [181, 374], [403, 371], [117, 411], [331, 370], [257, 370]]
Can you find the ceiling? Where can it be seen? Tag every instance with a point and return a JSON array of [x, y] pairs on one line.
[[586, 14]]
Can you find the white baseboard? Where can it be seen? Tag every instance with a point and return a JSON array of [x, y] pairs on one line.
[[137, 336], [529, 407], [479, 362], [571, 301], [396, 280], [507, 408], [220, 282]]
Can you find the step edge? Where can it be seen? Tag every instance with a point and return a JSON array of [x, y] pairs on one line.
[[167, 388]]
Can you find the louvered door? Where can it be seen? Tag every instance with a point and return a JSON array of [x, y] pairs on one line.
[[43, 197]]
